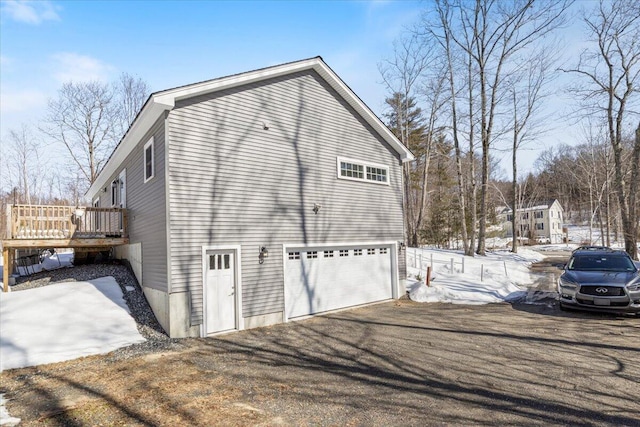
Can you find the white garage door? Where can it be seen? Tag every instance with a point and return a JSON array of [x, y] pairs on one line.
[[322, 279]]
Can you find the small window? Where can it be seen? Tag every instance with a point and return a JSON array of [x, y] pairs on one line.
[[538, 214], [149, 161], [357, 252], [294, 255], [328, 254], [371, 251], [383, 250], [312, 254], [114, 192], [540, 226], [344, 252], [357, 170]]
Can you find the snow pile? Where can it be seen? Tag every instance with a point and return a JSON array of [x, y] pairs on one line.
[[499, 276], [57, 260], [64, 321], [6, 420]]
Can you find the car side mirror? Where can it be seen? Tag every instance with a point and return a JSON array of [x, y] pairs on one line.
[[561, 266]]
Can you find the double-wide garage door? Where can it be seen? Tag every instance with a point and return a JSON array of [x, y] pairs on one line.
[[323, 279]]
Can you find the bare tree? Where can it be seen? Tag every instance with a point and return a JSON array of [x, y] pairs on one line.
[[528, 90], [132, 92], [401, 75], [612, 70], [84, 118], [489, 36], [445, 40], [25, 164]]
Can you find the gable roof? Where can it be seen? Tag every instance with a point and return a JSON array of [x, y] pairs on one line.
[[165, 100]]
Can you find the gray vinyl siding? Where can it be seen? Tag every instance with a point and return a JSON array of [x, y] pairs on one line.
[[146, 207], [232, 182]]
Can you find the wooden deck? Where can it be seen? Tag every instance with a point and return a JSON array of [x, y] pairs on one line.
[[41, 226]]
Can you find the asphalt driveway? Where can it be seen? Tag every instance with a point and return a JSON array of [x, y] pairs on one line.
[[396, 363]]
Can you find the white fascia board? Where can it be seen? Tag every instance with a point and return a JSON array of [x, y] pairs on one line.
[[148, 116]]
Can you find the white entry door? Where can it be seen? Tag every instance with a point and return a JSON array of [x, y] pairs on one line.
[[220, 305]]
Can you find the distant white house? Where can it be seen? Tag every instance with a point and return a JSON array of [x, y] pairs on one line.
[[540, 222]]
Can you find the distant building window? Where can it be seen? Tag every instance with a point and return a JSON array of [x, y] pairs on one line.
[[540, 226], [362, 171], [149, 160], [509, 217], [538, 214]]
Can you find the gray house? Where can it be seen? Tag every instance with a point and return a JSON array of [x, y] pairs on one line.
[[258, 198]]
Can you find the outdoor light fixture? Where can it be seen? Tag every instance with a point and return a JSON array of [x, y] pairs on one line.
[[316, 208], [265, 125], [264, 253]]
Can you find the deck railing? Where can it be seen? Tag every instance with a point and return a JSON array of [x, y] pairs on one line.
[[64, 222]]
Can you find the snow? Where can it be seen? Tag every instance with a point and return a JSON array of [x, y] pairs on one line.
[[64, 321], [500, 276], [6, 420]]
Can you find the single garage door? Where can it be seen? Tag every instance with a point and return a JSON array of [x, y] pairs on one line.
[[323, 279]]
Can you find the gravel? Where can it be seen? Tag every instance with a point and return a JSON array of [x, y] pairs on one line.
[[148, 326]]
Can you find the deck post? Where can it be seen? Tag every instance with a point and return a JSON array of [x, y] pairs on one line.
[[7, 267]]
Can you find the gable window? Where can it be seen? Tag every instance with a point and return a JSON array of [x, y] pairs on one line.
[[358, 170], [149, 161]]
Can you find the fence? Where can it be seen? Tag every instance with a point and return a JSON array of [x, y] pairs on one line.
[[420, 259]]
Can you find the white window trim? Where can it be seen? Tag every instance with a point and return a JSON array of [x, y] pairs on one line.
[[114, 192], [364, 170], [153, 160]]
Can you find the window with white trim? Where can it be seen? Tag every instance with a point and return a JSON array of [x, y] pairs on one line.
[[149, 160], [294, 255], [114, 192], [312, 254], [358, 170]]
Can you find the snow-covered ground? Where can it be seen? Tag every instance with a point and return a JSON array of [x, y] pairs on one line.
[[500, 276], [64, 321]]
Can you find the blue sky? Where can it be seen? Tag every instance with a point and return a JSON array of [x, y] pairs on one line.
[[44, 44]]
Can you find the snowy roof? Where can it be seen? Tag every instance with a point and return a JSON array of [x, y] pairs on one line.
[[165, 100]]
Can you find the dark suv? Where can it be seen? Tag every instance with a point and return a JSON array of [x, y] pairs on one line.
[[600, 280]]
